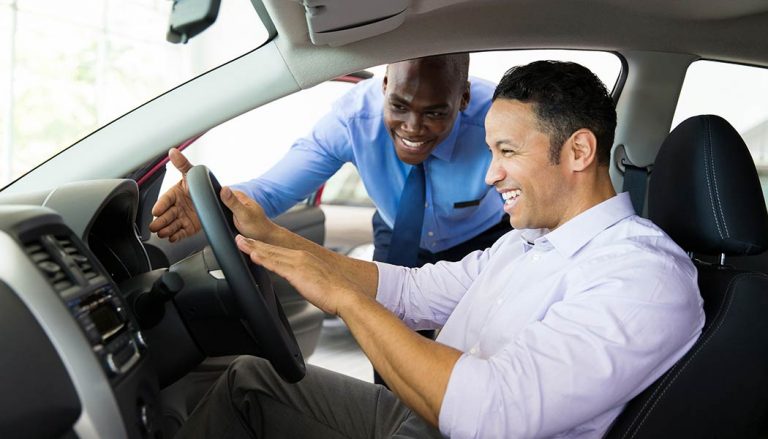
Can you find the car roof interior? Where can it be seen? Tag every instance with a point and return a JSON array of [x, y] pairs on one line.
[[704, 29]]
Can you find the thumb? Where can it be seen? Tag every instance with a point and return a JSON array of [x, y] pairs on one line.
[[235, 204], [179, 161]]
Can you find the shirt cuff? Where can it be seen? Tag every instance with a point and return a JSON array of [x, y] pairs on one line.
[[466, 398]]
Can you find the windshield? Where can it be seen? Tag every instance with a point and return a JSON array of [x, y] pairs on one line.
[[69, 67]]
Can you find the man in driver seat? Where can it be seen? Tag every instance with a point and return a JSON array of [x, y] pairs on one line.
[[548, 333]]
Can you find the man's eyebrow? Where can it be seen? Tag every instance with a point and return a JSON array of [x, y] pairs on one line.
[[504, 142], [400, 100]]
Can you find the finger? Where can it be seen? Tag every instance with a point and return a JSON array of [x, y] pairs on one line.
[[167, 218], [182, 227], [255, 248], [155, 226], [243, 198], [164, 203], [178, 236], [174, 220], [179, 161], [236, 201], [171, 231], [273, 258]]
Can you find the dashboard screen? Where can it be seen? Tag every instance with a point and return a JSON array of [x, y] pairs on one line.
[[107, 320]]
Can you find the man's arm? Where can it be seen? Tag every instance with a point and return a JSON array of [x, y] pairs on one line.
[[347, 287], [417, 369], [309, 163], [306, 166], [252, 222]]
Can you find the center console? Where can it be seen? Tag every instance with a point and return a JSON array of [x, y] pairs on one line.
[[86, 320]]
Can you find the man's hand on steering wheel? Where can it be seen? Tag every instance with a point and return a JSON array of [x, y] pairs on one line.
[[248, 215], [175, 214]]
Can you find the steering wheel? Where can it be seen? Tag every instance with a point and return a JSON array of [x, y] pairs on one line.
[[249, 283]]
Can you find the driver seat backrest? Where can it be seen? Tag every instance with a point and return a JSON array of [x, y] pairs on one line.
[[706, 195]]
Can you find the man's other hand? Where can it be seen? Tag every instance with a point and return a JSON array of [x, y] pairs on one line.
[[175, 216], [248, 215], [321, 284]]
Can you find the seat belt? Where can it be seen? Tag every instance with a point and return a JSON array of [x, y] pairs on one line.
[[635, 178], [636, 183]]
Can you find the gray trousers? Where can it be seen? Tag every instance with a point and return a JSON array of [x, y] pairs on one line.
[[251, 401]]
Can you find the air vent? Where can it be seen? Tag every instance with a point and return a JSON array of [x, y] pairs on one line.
[[53, 270], [77, 256]]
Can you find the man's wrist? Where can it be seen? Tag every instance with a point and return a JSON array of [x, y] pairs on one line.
[[275, 234], [350, 302]]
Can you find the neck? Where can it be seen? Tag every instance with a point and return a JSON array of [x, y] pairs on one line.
[[589, 192]]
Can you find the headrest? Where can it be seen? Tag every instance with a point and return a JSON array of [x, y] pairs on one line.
[[704, 190]]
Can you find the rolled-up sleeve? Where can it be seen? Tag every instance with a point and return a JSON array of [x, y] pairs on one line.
[[424, 298]]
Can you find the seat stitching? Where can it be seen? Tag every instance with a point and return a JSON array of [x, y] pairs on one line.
[[709, 191], [714, 179], [664, 380], [709, 337]]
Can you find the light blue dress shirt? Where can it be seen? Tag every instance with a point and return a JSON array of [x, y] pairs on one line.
[[459, 205], [558, 329]]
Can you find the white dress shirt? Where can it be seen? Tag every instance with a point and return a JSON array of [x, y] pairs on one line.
[[558, 329]]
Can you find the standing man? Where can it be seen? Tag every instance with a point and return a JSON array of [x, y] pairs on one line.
[[409, 135], [548, 333]]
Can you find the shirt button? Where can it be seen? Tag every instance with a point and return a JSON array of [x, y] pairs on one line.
[[498, 302], [473, 350], [430, 233], [536, 257], [426, 205]]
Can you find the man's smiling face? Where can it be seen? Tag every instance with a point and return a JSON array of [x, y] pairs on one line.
[[421, 102], [535, 190]]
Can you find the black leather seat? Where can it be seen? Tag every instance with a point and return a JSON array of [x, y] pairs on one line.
[[705, 193]]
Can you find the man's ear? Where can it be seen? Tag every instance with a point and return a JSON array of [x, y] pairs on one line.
[[384, 84], [465, 97], [582, 149]]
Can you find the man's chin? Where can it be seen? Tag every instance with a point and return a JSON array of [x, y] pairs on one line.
[[412, 157]]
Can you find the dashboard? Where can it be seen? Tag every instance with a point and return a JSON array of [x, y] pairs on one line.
[[97, 324], [79, 364]]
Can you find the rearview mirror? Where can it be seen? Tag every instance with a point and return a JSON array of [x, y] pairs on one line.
[[190, 17]]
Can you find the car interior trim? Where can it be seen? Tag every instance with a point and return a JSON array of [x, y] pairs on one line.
[[100, 409]]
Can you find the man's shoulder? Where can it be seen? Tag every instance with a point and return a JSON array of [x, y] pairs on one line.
[[482, 86], [481, 92], [364, 100], [638, 239]]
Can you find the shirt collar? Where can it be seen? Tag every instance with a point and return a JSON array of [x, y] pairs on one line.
[[444, 150], [579, 230]]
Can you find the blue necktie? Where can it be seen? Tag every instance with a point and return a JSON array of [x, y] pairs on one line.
[[406, 234]]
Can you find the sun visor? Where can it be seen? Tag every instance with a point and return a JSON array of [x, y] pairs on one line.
[[338, 22]]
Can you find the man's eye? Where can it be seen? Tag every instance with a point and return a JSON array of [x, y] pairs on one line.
[[436, 115], [397, 107], [507, 152]]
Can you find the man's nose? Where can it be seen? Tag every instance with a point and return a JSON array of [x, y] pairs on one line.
[[414, 122], [494, 173]]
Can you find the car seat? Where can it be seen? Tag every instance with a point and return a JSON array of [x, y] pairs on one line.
[[705, 193]]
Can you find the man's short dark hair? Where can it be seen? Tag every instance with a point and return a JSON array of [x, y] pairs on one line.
[[566, 97], [455, 63], [455, 66]]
